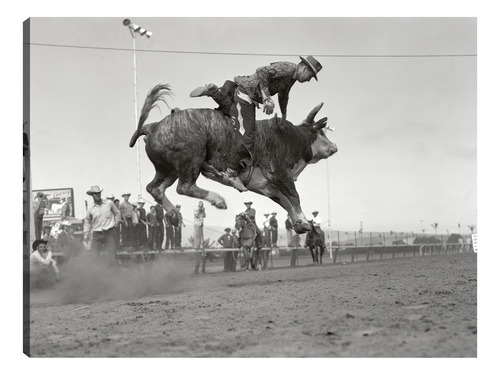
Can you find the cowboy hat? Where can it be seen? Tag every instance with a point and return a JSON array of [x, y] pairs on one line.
[[274, 213], [125, 194], [247, 202], [94, 190], [266, 214], [313, 64], [110, 196], [178, 206], [38, 242], [40, 194], [314, 212], [227, 230]]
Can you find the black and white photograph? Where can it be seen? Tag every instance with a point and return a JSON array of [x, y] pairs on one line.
[[250, 186]]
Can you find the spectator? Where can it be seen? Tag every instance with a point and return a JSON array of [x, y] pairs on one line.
[[199, 217], [134, 233], [119, 227], [160, 217], [226, 241], [170, 218], [178, 223], [289, 230], [274, 230], [101, 220], [142, 227], [126, 215], [153, 227], [40, 204], [295, 251], [43, 267], [267, 231], [235, 245], [111, 197], [65, 209]]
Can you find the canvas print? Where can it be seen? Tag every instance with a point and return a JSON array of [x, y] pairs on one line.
[[250, 187]]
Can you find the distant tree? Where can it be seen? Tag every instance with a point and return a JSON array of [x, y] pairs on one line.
[[435, 226], [426, 240]]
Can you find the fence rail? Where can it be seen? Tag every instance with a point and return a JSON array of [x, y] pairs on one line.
[[337, 254]]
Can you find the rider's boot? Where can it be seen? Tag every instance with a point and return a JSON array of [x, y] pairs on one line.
[[222, 96], [232, 176], [206, 90]]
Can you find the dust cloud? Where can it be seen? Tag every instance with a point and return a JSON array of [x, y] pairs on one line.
[[85, 279]]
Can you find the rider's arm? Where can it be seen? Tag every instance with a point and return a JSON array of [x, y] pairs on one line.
[[264, 75], [283, 101]]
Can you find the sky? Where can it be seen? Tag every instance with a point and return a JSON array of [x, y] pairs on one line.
[[400, 94]]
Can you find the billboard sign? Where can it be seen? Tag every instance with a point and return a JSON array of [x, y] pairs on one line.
[[56, 199]]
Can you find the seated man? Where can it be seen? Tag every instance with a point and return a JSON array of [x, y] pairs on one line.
[[43, 268], [249, 92]]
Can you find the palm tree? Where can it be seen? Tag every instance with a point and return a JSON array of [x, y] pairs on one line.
[[472, 227], [435, 225]]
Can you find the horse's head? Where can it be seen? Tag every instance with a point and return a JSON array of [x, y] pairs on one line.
[[311, 225], [239, 221]]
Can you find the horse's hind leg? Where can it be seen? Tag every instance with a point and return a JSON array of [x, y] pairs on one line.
[[187, 186], [157, 187]]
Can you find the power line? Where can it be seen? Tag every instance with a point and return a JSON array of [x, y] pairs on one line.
[[255, 54]]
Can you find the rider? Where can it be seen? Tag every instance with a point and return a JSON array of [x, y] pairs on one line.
[[249, 92], [250, 214], [316, 221]]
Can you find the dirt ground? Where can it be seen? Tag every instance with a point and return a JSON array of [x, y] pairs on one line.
[[405, 307]]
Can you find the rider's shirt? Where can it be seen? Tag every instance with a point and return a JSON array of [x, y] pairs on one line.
[[316, 221], [277, 78], [250, 212]]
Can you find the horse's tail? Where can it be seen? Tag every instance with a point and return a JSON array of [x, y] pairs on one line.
[[156, 94]]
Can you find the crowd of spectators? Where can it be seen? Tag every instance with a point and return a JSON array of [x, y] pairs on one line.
[[112, 225]]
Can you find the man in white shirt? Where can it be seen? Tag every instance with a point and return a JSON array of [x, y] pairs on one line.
[[101, 219], [42, 266], [317, 225]]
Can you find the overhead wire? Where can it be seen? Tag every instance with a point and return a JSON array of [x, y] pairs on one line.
[[257, 54]]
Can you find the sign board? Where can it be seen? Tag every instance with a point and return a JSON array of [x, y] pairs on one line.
[[56, 199], [474, 242]]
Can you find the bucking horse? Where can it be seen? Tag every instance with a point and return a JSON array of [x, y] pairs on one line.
[[195, 141]]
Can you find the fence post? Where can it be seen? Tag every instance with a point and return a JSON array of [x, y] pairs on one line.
[[355, 249], [369, 249]]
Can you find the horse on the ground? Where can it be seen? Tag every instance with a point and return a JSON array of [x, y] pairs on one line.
[[314, 242], [247, 234]]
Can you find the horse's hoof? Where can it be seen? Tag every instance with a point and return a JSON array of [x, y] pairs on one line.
[[301, 227], [220, 204]]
